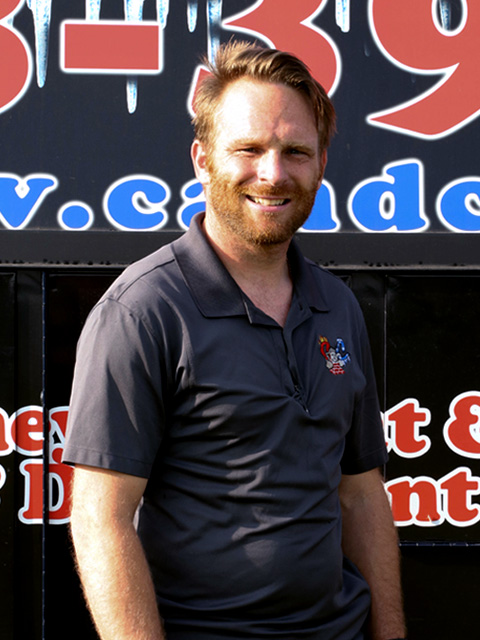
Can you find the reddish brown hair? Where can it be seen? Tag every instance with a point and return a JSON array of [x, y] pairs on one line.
[[237, 60]]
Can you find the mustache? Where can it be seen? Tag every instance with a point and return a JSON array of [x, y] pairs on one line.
[[266, 191]]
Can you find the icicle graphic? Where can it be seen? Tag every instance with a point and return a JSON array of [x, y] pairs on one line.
[[41, 10], [214, 19], [342, 14], [92, 9], [445, 14], [133, 10], [133, 13], [192, 14], [162, 12]]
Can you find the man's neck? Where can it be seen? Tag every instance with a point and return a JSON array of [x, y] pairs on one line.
[[260, 271]]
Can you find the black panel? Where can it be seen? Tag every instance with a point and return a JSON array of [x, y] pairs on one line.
[[441, 592], [425, 345], [21, 387], [69, 299], [433, 356], [7, 498]]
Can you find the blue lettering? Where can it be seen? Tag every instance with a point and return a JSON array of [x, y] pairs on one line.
[[323, 216], [135, 203], [458, 205], [193, 200], [21, 197], [391, 201], [75, 216]]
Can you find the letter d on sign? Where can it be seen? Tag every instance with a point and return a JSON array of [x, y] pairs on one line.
[[392, 201]]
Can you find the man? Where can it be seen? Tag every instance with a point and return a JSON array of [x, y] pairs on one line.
[[202, 392]]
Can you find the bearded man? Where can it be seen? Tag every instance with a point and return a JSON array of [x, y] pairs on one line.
[[202, 398]]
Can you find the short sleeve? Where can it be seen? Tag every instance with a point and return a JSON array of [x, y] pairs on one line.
[[365, 446], [116, 416]]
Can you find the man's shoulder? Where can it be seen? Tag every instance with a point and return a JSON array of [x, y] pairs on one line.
[[148, 294], [331, 284], [147, 275]]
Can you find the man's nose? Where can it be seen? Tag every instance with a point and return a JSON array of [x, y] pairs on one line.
[[271, 167]]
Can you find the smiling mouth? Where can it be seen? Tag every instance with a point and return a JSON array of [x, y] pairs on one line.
[[268, 202]]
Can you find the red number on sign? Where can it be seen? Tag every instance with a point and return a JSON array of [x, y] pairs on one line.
[[287, 25], [15, 62], [409, 35], [110, 47]]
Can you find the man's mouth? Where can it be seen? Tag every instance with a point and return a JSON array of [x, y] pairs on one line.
[[268, 202]]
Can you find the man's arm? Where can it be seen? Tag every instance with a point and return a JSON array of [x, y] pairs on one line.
[[112, 566], [370, 541]]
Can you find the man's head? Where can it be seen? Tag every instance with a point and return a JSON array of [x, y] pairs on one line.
[[262, 126], [238, 60]]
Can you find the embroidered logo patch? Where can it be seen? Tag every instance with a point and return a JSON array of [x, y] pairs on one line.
[[336, 358]]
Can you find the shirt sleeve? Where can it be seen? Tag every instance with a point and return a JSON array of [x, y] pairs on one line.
[[365, 447], [116, 416]]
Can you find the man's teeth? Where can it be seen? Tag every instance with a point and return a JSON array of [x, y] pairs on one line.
[[268, 202]]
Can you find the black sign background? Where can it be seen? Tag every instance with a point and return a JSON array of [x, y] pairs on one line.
[[77, 128], [420, 317]]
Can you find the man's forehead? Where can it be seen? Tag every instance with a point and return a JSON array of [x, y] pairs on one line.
[[247, 105], [250, 90]]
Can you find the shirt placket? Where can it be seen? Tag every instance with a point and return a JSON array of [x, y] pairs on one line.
[[299, 313], [298, 391]]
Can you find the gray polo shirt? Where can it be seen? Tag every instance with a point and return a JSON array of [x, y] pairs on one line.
[[243, 429]]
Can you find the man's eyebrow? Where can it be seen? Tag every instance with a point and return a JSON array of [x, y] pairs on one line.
[[303, 146], [257, 141], [248, 140]]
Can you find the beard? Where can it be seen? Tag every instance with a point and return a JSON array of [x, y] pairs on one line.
[[228, 202]]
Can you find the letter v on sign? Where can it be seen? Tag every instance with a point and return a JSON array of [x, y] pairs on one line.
[[410, 35], [20, 198]]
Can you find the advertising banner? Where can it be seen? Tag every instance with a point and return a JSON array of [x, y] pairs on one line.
[[95, 172], [95, 108]]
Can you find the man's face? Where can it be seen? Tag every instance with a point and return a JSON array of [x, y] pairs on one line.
[[263, 167]]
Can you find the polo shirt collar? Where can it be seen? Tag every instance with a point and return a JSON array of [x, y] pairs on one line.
[[215, 291], [306, 285]]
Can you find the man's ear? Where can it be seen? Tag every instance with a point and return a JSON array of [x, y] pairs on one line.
[[199, 160], [323, 163]]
